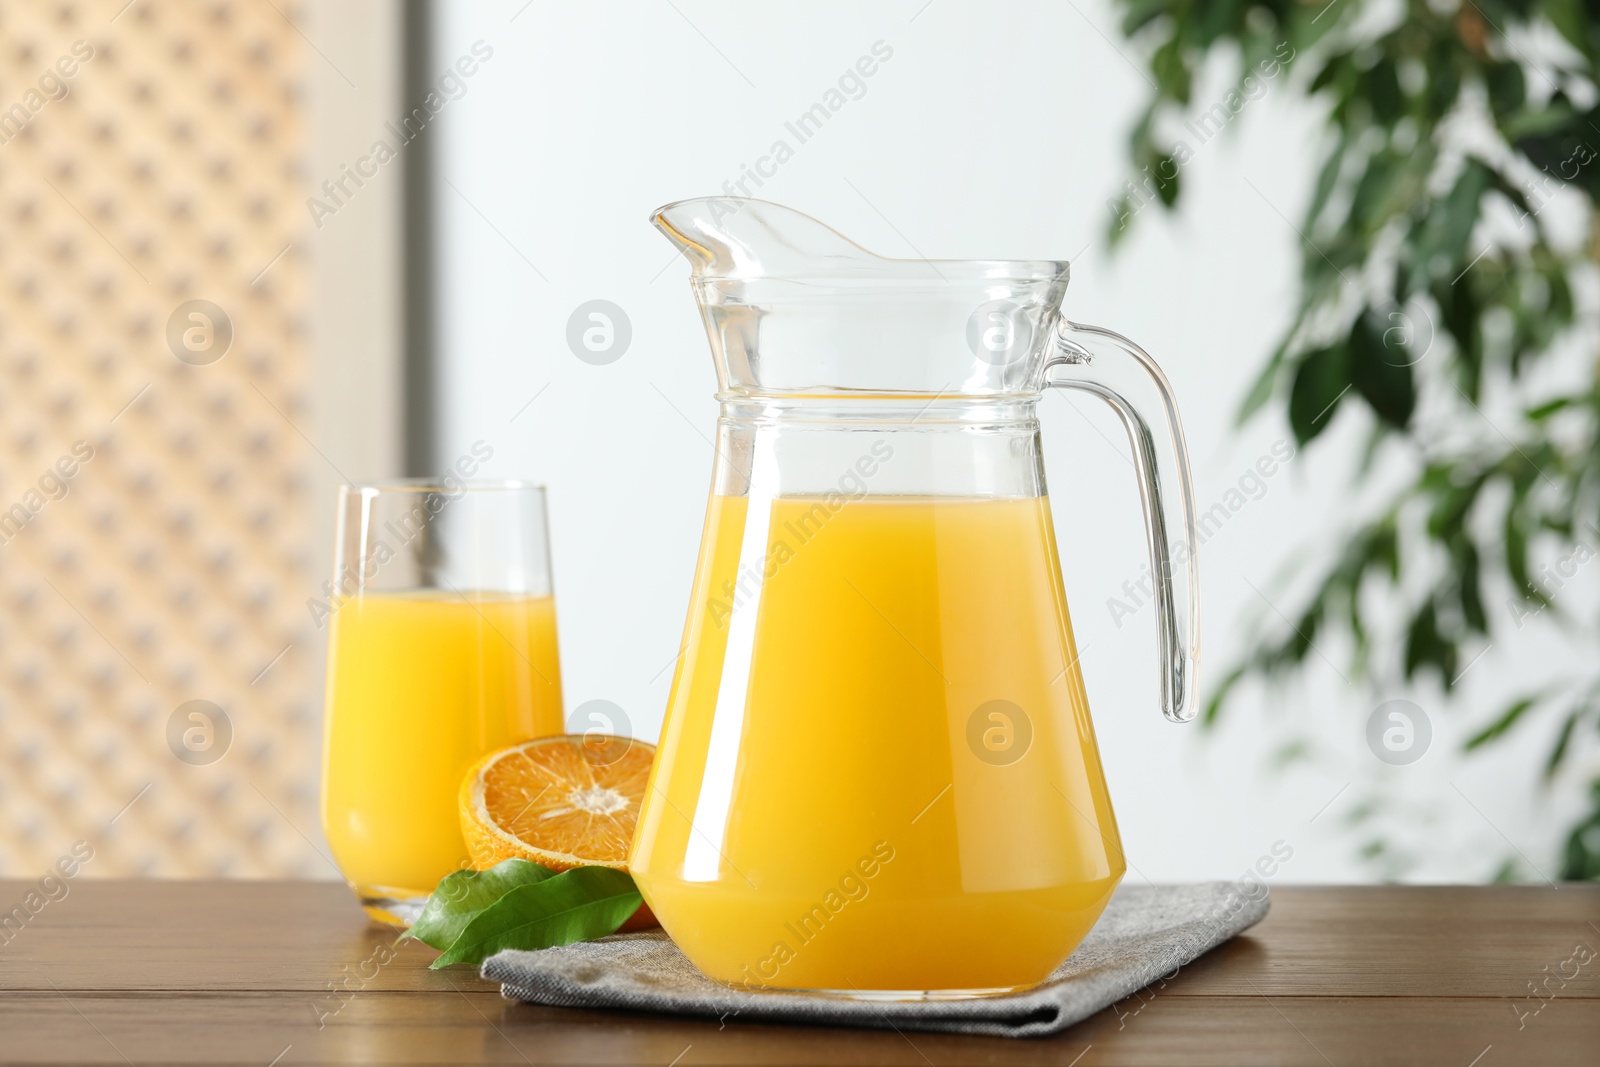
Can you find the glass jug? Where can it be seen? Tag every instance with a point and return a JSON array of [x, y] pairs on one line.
[[877, 776]]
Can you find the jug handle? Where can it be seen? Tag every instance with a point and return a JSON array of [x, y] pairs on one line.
[[1122, 374]]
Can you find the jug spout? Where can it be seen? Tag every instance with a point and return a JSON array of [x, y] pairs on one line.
[[733, 237], [793, 306]]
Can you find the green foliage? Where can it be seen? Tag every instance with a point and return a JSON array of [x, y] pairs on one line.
[[1321, 379], [516, 904], [461, 895], [1430, 281], [1582, 856]]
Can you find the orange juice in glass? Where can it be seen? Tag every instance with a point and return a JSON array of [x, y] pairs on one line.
[[441, 647]]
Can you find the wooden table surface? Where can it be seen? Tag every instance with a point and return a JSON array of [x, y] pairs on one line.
[[241, 973]]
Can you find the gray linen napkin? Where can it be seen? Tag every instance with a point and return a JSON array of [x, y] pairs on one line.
[[1146, 933]]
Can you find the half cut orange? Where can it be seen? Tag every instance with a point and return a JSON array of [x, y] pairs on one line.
[[562, 802]]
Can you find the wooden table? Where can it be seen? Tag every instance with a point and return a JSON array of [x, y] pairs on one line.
[[242, 973]]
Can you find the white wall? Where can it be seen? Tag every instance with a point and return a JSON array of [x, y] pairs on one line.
[[994, 134]]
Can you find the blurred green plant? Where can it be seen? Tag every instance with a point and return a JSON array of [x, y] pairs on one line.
[[1433, 284]]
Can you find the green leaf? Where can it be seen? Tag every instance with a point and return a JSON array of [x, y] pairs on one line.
[[1171, 71], [1460, 316], [1460, 211], [1427, 646], [1453, 498], [1214, 705], [1369, 204], [1568, 17], [1320, 381], [1469, 586], [1506, 721], [1141, 13], [1385, 549], [1209, 21], [577, 905], [1380, 367], [1166, 172], [1558, 753], [1514, 536], [1581, 858], [1305, 631], [1334, 68], [1543, 411], [1332, 167], [1297, 750], [1261, 391], [1517, 198], [1437, 248], [1554, 120], [1560, 143], [1444, 82], [1141, 145], [1382, 85], [460, 896], [1122, 212], [1508, 88]]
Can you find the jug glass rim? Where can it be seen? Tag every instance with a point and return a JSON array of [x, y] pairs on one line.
[[857, 265]]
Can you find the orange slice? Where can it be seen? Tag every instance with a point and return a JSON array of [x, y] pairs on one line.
[[561, 802]]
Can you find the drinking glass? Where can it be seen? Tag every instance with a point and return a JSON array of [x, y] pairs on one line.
[[441, 647]]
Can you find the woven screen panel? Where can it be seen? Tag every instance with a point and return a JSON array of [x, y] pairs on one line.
[[154, 484]]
